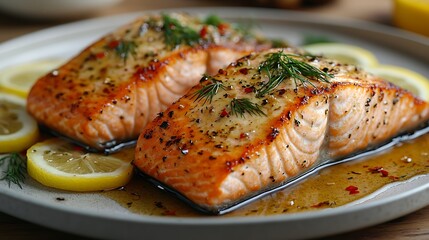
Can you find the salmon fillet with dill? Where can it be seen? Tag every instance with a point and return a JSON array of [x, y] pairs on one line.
[[267, 118], [110, 91]]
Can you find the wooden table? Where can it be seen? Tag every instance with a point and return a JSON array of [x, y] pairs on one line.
[[412, 226]]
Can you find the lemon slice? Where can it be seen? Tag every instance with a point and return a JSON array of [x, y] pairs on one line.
[[19, 79], [404, 78], [343, 53], [18, 130], [412, 15], [59, 164]]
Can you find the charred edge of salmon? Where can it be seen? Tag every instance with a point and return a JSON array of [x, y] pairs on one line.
[[407, 136]]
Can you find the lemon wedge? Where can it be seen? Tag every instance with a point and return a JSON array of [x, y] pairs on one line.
[[20, 78], [18, 130], [343, 53], [59, 164], [404, 78], [412, 15]]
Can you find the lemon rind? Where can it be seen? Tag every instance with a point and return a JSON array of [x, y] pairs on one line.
[[52, 177], [26, 136], [420, 82], [369, 58], [7, 74]]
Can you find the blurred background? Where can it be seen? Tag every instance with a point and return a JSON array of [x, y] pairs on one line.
[[18, 17]]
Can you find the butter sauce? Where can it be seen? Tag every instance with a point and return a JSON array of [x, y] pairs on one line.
[[331, 187]]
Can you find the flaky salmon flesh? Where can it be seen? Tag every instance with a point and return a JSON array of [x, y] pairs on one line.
[[111, 90], [267, 118]]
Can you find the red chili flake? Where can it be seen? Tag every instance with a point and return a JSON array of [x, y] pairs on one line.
[[244, 71], [100, 55], [244, 135], [375, 169], [248, 90], [113, 44], [352, 189], [383, 172], [222, 27], [203, 32], [224, 113], [221, 71]]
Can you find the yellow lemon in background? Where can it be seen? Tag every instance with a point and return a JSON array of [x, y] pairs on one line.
[[404, 78], [343, 53], [412, 15]]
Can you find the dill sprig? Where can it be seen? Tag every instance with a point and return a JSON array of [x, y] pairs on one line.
[[280, 66], [125, 48], [15, 170], [176, 34], [240, 106], [208, 91], [213, 20]]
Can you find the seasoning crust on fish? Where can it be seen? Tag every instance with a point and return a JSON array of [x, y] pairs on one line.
[[266, 118], [111, 90]]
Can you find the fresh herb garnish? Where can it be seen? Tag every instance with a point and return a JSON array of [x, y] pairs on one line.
[[208, 91], [122, 48], [15, 170], [125, 48], [280, 66], [240, 106], [176, 34], [213, 20]]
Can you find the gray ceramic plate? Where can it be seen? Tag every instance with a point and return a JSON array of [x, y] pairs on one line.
[[95, 216]]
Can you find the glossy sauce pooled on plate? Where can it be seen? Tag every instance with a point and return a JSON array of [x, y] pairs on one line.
[[329, 188]]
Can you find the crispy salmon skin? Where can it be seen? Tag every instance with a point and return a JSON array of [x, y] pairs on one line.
[[266, 118], [111, 90]]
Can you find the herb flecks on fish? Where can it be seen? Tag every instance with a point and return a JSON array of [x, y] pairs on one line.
[[213, 20], [15, 170], [208, 91], [123, 48], [280, 66], [176, 34], [240, 106]]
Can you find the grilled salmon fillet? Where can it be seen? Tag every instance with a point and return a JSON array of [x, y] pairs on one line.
[[266, 118], [112, 89]]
